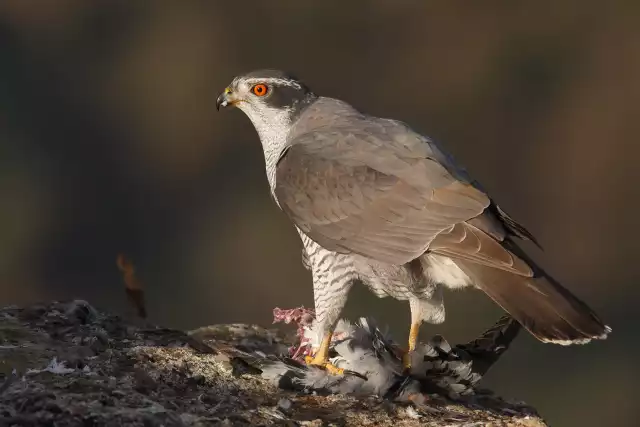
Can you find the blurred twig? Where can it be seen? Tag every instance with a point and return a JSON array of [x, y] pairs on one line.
[[133, 286]]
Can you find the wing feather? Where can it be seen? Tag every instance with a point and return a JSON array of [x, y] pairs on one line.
[[371, 186], [479, 247]]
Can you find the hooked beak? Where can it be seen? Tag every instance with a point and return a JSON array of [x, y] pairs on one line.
[[225, 98]]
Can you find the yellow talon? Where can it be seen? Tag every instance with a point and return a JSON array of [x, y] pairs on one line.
[[406, 361], [329, 367], [321, 358], [333, 370]]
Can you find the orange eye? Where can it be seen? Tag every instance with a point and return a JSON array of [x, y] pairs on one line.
[[259, 89]]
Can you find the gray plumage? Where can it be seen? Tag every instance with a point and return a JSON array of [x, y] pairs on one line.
[[376, 368], [377, 203]]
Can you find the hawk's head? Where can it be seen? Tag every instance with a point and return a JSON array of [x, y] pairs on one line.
[[268, 97]]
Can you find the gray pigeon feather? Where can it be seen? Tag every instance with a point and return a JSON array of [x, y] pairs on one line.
[[374, 363]]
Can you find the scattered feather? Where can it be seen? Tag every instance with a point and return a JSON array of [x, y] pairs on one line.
[[54, 367]]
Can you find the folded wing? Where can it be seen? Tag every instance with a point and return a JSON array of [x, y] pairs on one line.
[[372, 187]]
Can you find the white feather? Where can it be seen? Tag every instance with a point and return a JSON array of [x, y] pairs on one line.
[[442, 270]]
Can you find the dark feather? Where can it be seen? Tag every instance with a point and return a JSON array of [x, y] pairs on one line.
[[512, 225], [544, 307]]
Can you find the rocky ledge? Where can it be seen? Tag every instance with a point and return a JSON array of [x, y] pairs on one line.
[[67, 364]]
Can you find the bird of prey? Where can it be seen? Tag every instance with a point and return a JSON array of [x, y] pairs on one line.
[[377, 203]]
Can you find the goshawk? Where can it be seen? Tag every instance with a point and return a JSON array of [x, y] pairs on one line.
[[377, 203]]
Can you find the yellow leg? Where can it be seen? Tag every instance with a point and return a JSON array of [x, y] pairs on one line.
[[322, 357], [413, 339], [413, 335]]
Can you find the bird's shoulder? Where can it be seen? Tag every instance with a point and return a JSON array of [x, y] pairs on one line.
[[332, 116], [334, 130]]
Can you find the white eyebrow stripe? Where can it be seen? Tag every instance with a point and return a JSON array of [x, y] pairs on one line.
[[274, 80]]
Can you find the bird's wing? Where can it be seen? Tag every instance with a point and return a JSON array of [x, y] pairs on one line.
[[371, 186]]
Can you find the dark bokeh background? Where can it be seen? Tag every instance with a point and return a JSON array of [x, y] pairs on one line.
[[109, 142]]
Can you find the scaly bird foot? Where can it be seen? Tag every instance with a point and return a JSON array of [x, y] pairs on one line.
[[324, 364], [406, 361], [413, 339]]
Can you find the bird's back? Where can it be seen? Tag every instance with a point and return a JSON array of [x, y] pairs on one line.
[[330, 117]]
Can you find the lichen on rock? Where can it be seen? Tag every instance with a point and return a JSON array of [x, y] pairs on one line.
[[68, 364]]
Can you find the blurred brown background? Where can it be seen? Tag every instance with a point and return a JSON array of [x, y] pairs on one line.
[[110, 142]]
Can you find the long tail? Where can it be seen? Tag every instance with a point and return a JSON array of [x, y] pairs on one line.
[[544, 307]]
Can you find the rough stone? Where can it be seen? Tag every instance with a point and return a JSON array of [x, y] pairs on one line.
[[67, 364]]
